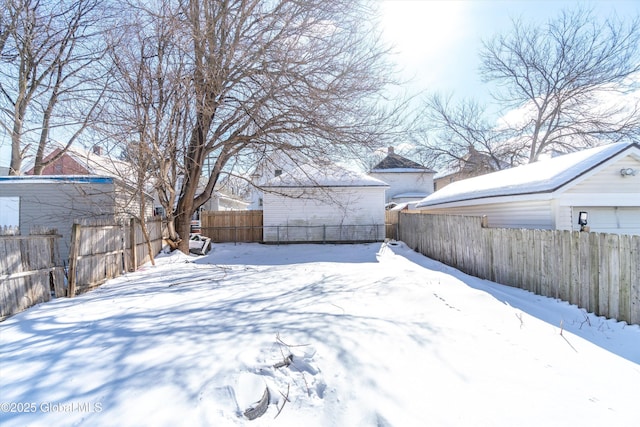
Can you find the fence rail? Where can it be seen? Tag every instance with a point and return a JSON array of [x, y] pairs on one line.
[[596, 271]]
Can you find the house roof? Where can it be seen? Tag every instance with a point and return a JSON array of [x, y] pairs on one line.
[[93, 161], [396, 163], [329, 175], [540, 177]]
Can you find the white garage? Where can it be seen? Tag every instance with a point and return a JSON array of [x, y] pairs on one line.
[[323, 203], [603, 182]]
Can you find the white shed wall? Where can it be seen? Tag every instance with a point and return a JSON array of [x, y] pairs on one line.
[[330, 206]]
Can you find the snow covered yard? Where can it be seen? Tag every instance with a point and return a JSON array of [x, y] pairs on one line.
[[380, 336]]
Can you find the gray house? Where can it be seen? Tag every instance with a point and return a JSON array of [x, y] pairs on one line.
[[58, 201]]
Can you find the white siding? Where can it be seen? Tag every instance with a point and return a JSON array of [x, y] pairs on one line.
[[405, 182], [618, 220], [534, 214], [331, 206], [609, 180]]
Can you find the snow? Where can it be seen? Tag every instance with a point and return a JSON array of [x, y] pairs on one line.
[[380, 336], [542, 176], [327, 175]]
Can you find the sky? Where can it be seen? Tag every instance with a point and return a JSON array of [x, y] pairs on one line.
[[436, 43], [378, 335]]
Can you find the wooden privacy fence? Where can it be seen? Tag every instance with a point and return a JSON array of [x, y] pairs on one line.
[[100, 251], [30, 268], [232, 226], [596, 271], [391, 224]]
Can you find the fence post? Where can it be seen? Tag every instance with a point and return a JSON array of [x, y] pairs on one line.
[[133, 244], [73, 259]]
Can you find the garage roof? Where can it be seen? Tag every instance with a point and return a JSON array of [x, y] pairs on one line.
[[540, 177]]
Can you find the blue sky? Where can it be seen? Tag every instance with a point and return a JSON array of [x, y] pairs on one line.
[[437, 42]]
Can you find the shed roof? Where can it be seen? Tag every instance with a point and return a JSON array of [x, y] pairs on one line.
[[329, 175], [540, 177]]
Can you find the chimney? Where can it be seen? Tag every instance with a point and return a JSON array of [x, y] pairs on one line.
[[97, 150], [390, 151]]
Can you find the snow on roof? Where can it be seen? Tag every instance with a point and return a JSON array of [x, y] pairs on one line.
[[329, 175], [413, 195], [402, 170], [540, 177]]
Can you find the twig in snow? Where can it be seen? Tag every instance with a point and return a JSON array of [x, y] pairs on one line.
[[286, 399], [278, 339], [565, 338], [519, 316]]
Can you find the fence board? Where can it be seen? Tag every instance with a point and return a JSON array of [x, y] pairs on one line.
[[28, 267], [105, 250], [634, 281], [232, 226], [598, 272]]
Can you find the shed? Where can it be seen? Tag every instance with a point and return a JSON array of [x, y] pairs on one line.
[[323, 203], [603, 181], [408, 181], [53, 201]]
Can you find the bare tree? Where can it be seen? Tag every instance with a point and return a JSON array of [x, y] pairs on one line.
[[457, 128], [49, 83], [150, 117], [565, 85], [262, 76]]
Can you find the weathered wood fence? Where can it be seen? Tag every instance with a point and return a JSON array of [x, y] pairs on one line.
[[100, 252], [596, 271], [391, 224], [30, 267], [232, 226]]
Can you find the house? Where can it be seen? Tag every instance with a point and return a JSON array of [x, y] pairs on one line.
[[78, 161], [323, 203], [408, 181], [602, 182], [474, 163], [57, 201]]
